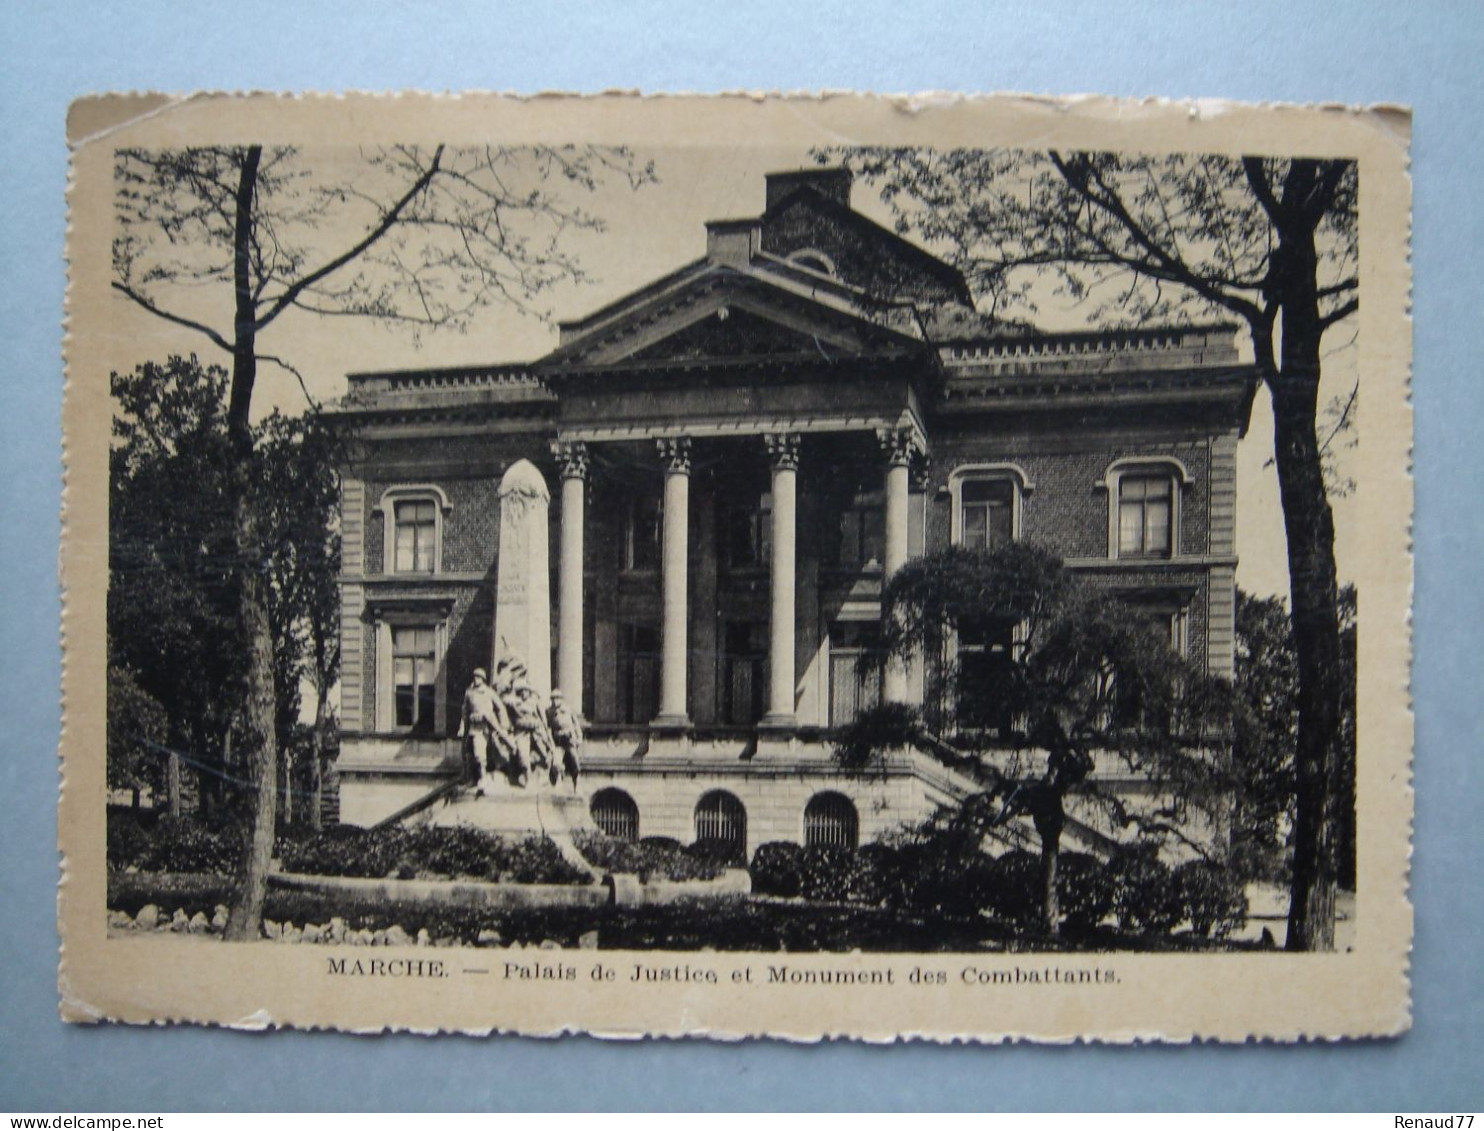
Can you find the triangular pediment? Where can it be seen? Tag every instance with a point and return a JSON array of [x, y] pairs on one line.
[[724, 317], [728, 333]]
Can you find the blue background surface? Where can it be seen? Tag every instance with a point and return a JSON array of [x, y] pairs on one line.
[[1423, 54]]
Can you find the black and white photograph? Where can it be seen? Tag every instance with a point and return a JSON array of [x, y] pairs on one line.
[[835, 581]]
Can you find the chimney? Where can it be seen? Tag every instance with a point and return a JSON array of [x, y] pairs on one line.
[[833, 184], [732, 242]]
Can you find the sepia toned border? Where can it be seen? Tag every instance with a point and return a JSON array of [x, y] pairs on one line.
[[1129, 996]]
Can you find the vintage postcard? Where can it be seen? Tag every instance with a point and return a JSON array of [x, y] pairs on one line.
[[924, 567]]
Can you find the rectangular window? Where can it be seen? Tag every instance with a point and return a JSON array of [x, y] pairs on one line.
[[1166, 622], [639, 673], [987, 513], [1145, 513], [416, 534], [743, 663], [863, 531], [642, 525], [854, 686], [1130, 711], [986, 658], [414, 671], [747, 532]]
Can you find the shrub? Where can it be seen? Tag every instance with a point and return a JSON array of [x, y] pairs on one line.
[[127, 840], [1143, 892], [166, 844], [931, 875], [606, 853], [650, 858], [885, 877], [346, 850], [865, 878], [837, 875], [724, 853], [534, 860], [452, 853], [1211, 897], [776, 869], [894, 862], [1085, 890], [1015, 888], [189, 846]]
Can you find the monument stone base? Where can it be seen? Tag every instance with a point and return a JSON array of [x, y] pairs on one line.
[[520, 813]]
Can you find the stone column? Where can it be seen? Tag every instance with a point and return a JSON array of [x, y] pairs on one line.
[[899, 445], [783, 451], [572, 458], [675, 452]]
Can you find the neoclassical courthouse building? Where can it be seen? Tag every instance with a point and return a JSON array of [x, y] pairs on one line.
[[737, 455]]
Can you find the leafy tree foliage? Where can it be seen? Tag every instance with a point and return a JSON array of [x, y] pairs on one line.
[[1266, 682], [299, 491], [1273, 242], [1086, 678], [171, 563], [173, 635], [138, 729], [412, 236], [1267, 686]]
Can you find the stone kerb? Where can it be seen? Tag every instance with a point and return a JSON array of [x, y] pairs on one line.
[[628, 891], [448, 893], [614, 890]]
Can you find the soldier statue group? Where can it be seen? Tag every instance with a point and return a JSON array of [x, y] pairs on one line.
[[508, 734]]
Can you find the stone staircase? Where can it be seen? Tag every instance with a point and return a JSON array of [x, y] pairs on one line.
[[1018, 834]]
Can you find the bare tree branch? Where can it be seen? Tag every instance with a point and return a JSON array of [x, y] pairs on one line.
[[303, 387], [391, 216], [168, 316], [1338, 314], [1160, 261]]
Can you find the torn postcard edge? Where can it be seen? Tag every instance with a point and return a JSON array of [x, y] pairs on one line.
[[738, 566]]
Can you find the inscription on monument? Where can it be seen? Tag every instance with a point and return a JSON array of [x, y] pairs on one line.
[[523, 593]]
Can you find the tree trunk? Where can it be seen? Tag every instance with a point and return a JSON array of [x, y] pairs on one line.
[[1316, 634], [258, 737], [172, 784], [286, 806], [246, 916], [1049, 823], [221, 794], [317, 752], [1309, 526]]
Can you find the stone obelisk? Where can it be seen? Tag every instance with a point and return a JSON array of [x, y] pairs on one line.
[[523, 577], [523, 632]]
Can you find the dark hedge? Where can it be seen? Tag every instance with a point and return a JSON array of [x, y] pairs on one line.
[[653, 858]]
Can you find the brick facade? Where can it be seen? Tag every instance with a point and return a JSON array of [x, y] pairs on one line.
[[1067, 510]]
